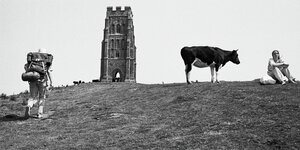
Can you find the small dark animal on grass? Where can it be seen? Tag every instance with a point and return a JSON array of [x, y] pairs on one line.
[[205, 56], [78, 82]]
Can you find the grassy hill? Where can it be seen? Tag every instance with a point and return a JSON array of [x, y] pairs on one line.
[[230, 115]]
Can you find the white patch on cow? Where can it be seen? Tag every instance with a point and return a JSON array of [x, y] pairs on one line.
[[217, 74], [212, 71], [201, 64]]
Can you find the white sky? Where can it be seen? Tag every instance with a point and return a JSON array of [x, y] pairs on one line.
[[72, 30]]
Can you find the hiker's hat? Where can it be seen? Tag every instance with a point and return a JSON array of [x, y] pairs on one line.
[[42, 50]]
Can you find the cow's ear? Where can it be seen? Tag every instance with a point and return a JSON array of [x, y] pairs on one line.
[[234, 52]]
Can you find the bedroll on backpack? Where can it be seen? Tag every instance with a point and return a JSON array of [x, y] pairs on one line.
[[30, 76]]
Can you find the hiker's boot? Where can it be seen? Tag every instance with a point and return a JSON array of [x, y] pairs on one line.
[[40, 112]]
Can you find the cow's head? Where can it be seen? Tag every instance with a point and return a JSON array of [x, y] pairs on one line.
[[234, 57]]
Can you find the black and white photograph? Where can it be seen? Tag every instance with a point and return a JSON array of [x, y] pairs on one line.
[[138, 74]]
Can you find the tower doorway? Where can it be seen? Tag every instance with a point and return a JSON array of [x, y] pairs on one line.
[[117, 76]]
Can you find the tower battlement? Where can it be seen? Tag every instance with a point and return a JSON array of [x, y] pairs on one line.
[[118, 11], [118, 8]]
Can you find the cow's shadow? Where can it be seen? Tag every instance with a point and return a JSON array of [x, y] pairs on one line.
[[12, 117]]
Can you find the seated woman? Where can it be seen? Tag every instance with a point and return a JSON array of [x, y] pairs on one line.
[[277, 69]]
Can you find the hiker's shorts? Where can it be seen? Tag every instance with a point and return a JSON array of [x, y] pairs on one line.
[[37, 93]]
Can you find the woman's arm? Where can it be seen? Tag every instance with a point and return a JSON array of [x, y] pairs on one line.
[[50, 78], [279, 64]]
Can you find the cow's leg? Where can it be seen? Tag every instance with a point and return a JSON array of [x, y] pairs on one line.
[[188, 68], [217, 73], [212, 71]]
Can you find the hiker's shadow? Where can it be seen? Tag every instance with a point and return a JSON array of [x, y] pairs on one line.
[[13, 117]]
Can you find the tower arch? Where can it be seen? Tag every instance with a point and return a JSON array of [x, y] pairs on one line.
[[118, 75]]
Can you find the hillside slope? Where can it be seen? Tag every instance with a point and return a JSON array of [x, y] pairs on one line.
[[230, 115]]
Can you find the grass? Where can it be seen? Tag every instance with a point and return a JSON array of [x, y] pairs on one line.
[[230, 115]]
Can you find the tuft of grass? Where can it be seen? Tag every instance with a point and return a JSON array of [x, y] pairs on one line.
[[3, 96], [13, 98]]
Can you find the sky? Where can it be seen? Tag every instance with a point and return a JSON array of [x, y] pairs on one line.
[[72, 31]]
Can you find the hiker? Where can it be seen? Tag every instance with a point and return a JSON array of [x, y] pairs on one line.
[[38, 75], [278, 69]]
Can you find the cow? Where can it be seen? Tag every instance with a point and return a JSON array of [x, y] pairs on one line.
[[206, 56]]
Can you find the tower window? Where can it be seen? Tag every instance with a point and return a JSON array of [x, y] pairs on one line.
[[118, 28], [112, 29], [123, 44], [112, 53], [117, 54], [123, 28]]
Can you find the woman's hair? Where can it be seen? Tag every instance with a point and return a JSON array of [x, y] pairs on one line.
[[274, 52]]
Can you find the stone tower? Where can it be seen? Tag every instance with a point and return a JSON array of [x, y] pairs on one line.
[[118, 52]]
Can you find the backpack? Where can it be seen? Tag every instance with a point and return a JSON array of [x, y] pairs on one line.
[[39, 62], [37, 66], [266, 80]]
